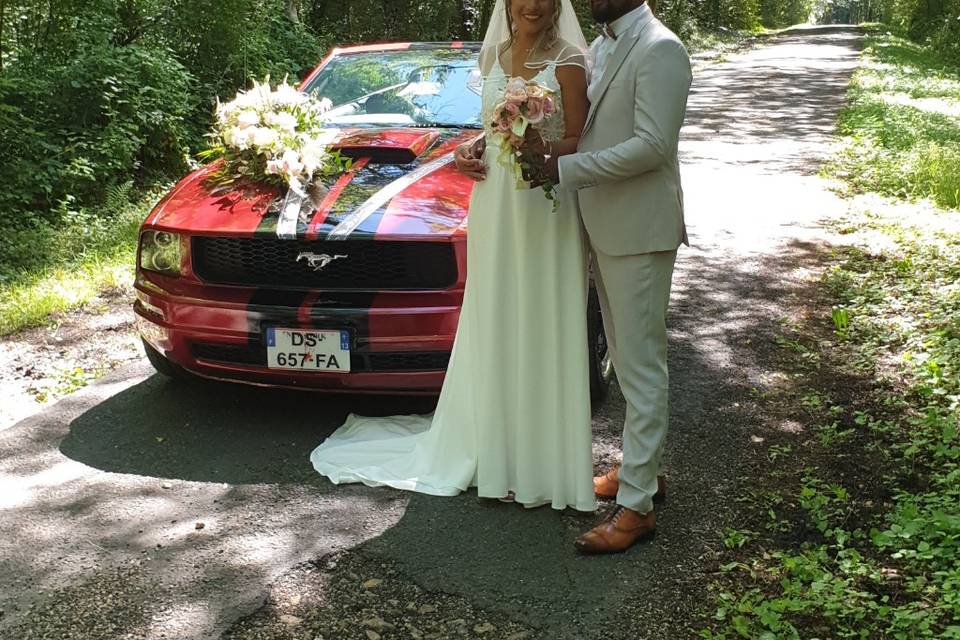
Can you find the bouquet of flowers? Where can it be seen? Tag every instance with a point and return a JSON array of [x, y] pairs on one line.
[[274, 136], [524, 105]]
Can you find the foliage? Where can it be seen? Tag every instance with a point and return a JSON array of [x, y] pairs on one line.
[[874, 553], [91, 251], [902, 124], [933, 23], [865, 573]]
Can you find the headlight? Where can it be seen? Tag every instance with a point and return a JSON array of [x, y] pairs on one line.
[[160, 252]]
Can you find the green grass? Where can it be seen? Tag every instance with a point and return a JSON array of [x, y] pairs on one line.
[[878, 556], [65, 267], [902, 126]]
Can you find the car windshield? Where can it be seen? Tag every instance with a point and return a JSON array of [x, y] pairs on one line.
[[415, 87]]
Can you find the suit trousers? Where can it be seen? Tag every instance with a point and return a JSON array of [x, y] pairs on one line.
[[634, 293]]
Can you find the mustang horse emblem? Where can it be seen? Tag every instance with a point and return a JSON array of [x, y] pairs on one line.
[[319, 261]]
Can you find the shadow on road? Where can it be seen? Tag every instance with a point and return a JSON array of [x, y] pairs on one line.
[[522, 564], [211, 432]]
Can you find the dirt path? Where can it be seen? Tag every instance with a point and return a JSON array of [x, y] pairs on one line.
[[191, 507]]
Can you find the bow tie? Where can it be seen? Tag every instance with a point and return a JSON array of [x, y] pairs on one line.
[[607, 32]]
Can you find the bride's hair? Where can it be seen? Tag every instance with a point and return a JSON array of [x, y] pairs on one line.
[[550, 36]]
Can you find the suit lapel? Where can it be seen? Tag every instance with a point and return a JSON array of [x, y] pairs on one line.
[[625, 45]]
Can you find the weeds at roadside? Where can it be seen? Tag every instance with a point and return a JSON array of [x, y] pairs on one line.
[[859, 519]]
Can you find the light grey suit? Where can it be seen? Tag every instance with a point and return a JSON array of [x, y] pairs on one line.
[[628, 180]]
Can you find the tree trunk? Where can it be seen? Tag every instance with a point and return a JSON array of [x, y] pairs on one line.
[[467, 17], [486, 11], [3, 9], [293, 11]]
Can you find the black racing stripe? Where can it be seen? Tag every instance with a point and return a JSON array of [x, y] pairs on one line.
[[367, 183], [268, 223], [350, 312], [272, 307]]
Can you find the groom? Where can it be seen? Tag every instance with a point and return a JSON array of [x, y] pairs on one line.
[[627, 177]]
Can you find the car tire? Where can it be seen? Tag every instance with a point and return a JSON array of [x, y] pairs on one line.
[[601, 363], [163, 365]]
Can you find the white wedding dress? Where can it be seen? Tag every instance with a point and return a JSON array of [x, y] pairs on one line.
[[514, 413]]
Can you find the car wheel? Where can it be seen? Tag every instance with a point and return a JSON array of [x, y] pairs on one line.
[[163, 365], [601, 363]]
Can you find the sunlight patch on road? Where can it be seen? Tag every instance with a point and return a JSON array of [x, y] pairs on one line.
[[17, 490]]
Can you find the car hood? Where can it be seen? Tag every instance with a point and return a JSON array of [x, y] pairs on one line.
[[403, 184]]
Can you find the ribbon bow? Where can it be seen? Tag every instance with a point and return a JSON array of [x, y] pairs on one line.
[[607, 31]]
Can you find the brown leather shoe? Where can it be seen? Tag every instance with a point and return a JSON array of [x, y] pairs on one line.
[[608, 485], [625, 528]]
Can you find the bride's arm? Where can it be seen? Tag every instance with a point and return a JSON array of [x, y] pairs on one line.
[[573, 85]]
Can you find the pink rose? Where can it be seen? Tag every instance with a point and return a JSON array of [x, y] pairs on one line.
[[517, 84], [548, 106], [535, 111], [535, 91], [516, 90], [512, 108]]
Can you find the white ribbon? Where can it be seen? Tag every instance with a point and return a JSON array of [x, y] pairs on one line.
[[290, 212], [385, 195]]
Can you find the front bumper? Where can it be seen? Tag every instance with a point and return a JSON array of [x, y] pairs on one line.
[[400, 341]]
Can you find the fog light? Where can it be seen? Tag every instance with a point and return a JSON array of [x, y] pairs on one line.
[[148, 306], [155, 335]]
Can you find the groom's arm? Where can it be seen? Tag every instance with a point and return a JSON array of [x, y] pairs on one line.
[[663, 82]]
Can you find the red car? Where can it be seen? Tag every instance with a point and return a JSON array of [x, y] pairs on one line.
[[365, 295]]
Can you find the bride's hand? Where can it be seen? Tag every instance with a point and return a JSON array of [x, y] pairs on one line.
[[469, 162]]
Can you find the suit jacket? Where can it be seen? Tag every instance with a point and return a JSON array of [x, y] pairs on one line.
[[626, 170]]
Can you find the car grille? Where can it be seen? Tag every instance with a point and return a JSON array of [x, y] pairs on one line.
[[272, 262], [362, 362]]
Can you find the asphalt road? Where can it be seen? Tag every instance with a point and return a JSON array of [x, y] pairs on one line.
[[143, 508]]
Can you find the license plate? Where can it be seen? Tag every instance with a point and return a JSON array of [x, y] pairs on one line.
[[308, 350]]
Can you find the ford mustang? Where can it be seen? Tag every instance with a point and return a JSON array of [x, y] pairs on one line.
[[366, 294]]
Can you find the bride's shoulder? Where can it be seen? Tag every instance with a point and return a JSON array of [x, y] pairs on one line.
[[567, 54]]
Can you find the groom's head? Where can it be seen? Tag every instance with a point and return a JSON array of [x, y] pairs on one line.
[[606, 11]]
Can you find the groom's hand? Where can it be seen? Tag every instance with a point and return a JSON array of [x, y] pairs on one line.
[[552, 169], [533, 144], [469, 162]]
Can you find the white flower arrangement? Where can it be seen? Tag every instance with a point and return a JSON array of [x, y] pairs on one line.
[[274, 136]]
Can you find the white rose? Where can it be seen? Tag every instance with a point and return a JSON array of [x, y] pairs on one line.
[[248, 119], [287, 95], [291, 163], [284, 121], [264, 137], [236, 137], [312, 156]]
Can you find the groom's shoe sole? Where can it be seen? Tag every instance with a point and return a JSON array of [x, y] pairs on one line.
[[621, 531], [646, 537]]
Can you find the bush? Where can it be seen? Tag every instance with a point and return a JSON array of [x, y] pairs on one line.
[[76, 130]]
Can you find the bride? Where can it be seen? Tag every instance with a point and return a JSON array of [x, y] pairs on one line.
[[513, 418]]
